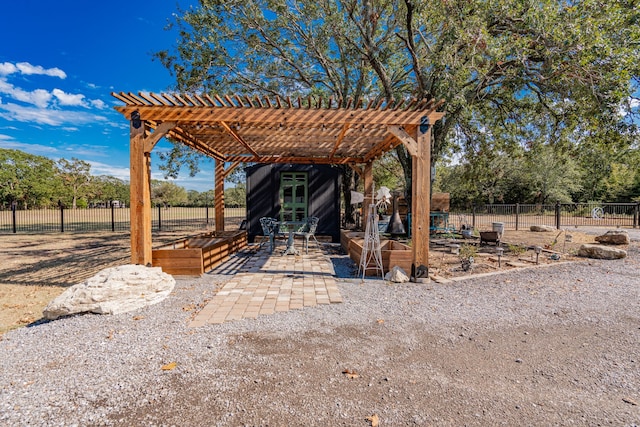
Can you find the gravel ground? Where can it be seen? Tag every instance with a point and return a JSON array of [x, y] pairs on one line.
[[557, 345]]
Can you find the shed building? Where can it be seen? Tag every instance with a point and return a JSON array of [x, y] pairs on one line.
[[291, 192]]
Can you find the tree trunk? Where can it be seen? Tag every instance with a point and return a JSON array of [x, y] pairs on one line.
[[347, 185]]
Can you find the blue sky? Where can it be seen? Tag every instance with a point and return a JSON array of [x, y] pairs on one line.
[[60, 61]]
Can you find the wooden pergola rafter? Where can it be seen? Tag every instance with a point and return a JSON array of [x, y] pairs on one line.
[[235, 129]]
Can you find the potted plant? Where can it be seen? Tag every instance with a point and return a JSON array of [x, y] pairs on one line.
[[466, 255]]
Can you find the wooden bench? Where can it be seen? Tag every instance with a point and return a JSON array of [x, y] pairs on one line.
[[194, 256]]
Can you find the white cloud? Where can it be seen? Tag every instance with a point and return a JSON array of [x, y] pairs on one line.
[[28, 69], [69, 99], [98, 168], [14, 112], [7, 68], [98, 103], [9, 142], [38, 97]]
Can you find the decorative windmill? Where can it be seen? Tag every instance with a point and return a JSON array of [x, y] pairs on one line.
[[371, 249]]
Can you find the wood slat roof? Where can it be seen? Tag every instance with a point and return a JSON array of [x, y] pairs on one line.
[[266, 130]]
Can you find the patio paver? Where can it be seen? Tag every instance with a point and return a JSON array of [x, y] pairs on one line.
[[270, 283]]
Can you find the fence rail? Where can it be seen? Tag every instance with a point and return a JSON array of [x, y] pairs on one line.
[[513, 216], [111, 219], [559, 215]]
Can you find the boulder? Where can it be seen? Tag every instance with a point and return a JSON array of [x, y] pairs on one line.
[[112, 291], [601, 252], [614, 237], [542, 228], [396, 275]]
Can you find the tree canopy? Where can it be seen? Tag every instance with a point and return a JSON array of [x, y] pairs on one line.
[[32, 181], [559, 72]]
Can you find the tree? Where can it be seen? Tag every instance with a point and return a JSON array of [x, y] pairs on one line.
[[76, 176], [573, 62], [105, 188], [167, 193], [236, 196], [26, 179]]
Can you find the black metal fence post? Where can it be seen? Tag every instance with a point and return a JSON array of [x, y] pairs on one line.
[[113, 218], [206, 212], [636, 216], [159, 218], [61, 218], [13, 217], [517, 216], [558, 215]]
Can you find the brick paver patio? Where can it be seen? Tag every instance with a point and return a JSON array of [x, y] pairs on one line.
[[268, 283]]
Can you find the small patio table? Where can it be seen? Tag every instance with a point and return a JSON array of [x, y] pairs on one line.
[[291, 227]]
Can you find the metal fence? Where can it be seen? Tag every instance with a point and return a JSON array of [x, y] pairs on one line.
[[559, 215], [111, 219], [513, 216]]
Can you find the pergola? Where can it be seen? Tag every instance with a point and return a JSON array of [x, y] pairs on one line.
[[237, 129]]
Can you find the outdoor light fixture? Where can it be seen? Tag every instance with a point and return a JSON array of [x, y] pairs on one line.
[[135, 119], [499, 251], [424, 124], [537, 250]]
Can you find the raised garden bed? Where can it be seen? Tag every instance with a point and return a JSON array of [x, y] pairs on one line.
[[194, 256], [393, 252]]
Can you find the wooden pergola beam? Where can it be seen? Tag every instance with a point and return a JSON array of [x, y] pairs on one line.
[[283, 131], [218, 194], [239, 138], [140, 188], [161, 130], [421, 202], [405, 138]]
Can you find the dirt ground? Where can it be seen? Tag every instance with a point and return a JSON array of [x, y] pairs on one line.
[[34, 269]]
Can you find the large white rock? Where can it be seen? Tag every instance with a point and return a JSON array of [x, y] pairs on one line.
[[614, 237], [601, 252], [112, 291], [396, 275]]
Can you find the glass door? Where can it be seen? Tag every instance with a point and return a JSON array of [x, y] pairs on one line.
[[293, 196]]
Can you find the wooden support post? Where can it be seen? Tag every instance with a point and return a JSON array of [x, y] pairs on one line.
[[367, 179], [218, 203], [140, 202], [421, 202]]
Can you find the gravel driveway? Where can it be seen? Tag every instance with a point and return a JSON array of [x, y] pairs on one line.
[[557, 345]]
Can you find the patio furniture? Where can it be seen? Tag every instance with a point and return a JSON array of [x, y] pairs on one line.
[[308, 230], [439, 223], [292, 227], [269, 231]]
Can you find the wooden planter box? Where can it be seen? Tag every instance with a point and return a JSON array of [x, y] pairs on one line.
[[347, 235], [195, 255], [393, 254]]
